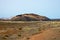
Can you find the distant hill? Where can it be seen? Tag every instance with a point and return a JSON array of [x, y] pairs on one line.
[[29, 17], [55, 19], [1, 19]]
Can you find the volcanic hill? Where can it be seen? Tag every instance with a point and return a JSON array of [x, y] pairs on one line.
[[29, 17]]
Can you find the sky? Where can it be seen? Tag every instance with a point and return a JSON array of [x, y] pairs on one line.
[[48, 8]]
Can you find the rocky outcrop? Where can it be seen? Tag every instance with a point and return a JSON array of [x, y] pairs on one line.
[[29, 17]]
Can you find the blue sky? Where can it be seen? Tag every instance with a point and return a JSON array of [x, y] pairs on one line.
[[49, 8]]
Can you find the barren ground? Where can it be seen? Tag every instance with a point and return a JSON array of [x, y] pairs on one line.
[[33, 30]]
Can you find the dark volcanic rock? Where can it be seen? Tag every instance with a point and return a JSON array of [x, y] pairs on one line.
[[29, 17]]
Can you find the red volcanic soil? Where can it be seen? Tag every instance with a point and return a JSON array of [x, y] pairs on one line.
[[51, 34]]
